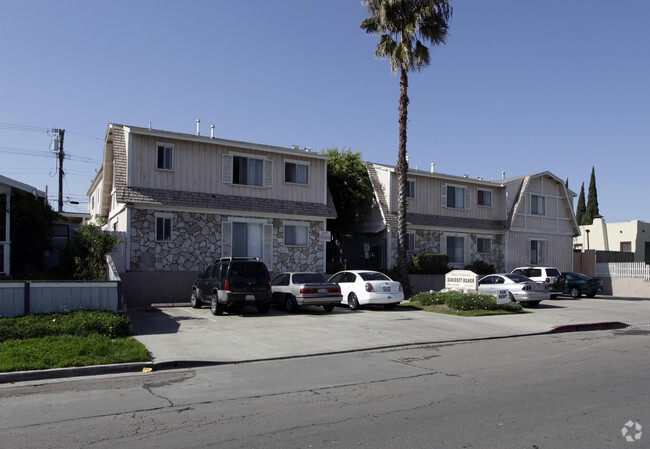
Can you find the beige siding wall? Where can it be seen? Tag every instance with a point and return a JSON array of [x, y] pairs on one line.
[[558, 214], [197, 168], [559, 250], [428, 198]]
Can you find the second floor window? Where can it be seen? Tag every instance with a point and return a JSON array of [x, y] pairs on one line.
[[454, 197], [165, 156], [296, 173], [484, 198], [411, 189], [248, 171], [537, 205]]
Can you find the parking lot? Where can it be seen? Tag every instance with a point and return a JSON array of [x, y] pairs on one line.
[[184, 334]]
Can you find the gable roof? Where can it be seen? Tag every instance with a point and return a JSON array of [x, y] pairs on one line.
[[21, 186]]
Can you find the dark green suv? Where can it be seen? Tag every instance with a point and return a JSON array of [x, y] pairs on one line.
[[233, 282]]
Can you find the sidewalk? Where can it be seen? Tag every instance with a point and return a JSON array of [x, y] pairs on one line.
[[184, 337]]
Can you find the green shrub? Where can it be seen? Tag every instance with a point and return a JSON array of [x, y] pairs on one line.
[[79, 323], [428, 299], [430, 263], [480, 267]]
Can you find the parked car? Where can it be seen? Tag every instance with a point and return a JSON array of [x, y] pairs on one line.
[[233, 282], [361, 287], [575, 284], [291, 290], [520, 288], [548, 275]]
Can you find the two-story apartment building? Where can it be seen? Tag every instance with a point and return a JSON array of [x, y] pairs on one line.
[[179, 201], [508, 222]]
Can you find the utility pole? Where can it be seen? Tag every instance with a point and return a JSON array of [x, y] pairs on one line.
[[61, 154]]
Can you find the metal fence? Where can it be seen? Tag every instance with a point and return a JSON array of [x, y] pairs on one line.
[[624, 270]]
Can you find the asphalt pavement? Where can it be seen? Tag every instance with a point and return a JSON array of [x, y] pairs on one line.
[[178, 336]]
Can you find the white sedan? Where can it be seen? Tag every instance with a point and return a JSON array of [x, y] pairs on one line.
[[361, 287], [519, 288]]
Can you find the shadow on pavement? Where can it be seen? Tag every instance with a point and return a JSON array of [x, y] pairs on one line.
[[151, 322]]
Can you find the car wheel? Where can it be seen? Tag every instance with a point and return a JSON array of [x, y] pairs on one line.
[[591, 295], [575, 292], [263, 308], [353, 301], [215, 307], [512, 297], [195, 302], [290, 304], [328, 307], [390, 306]]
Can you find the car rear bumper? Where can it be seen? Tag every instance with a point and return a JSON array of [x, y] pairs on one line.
[[318, 300], [381, 298], [525, 296], [244, 298]]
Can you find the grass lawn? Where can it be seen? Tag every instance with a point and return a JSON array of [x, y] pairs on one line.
[[81, 338]]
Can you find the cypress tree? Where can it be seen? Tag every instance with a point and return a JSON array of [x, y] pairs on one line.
[[581, 209], [592, 201]]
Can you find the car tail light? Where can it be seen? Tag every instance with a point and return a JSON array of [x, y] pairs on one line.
[[334, 290], [369, 287], [547, 280], [226, 285], [308, 291], [526, 287], [400, 287]]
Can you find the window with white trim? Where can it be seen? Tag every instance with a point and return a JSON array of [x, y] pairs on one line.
[[410, 241], [411, 188], [455, 197], [247, 237], [296, 172], [484, 245], [538, 252], [537, 205], [484, 198], [296, 234], [164, 156], [247, 170], [163, 227]]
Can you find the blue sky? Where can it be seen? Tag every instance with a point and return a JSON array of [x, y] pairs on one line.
[[520, 87]]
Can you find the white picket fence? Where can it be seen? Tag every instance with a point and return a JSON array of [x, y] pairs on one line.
[[624, 270]]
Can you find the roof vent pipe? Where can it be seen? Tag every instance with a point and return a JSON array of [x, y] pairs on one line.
[[198, 127], [503, 175], [433, 167], [211, 131], [149, 126]]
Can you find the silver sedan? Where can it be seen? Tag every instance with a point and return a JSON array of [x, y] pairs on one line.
[[291, 290], [519, 288]]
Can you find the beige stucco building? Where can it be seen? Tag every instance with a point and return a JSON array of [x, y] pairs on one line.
[[632, 236]]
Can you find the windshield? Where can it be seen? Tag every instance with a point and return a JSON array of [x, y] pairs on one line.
[[308, 278], [374, 276]]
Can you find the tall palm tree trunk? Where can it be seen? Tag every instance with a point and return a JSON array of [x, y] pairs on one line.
[[402, 187]]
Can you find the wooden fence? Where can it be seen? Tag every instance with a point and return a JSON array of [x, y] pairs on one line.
[[624, 270]]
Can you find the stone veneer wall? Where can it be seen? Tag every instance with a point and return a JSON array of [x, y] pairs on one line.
[[196, 242], [428, 242]]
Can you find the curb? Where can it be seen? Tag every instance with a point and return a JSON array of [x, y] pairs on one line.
[[139, 367]]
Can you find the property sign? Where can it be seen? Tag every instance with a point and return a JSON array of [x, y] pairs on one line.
[[461, 279], [325, 236]]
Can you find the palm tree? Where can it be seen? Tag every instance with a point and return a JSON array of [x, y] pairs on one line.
[[402, 26]]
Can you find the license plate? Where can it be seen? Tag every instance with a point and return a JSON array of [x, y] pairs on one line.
[[250, 297], [386, 288], [322, 290]]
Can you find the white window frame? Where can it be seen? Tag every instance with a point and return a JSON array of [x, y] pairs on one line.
[[228, 166], [484, 238], [466, 196], [305, 164], [478, 196], [166, 160], [410, 193], [267, 238], [295, 224], [166, 218], [536, 200], [444, 249], [544, 245]]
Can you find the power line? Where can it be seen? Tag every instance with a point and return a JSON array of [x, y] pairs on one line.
[[28, 128]]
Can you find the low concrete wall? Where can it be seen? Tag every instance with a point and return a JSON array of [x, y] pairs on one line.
[[426, 282], [626, 287]]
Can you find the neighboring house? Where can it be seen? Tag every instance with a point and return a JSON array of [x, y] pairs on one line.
[[6, 187], [528, 220], [179, 201], [627, 237]]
